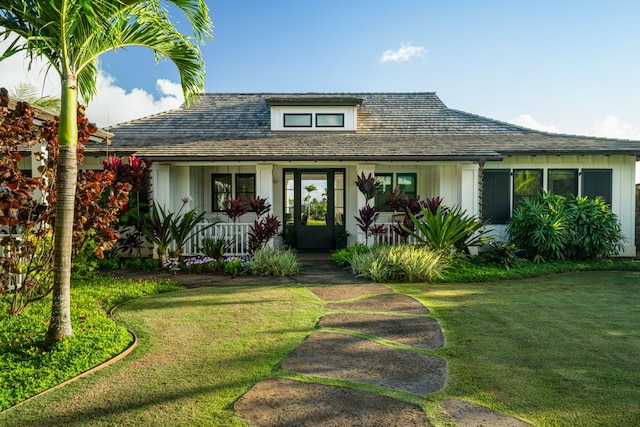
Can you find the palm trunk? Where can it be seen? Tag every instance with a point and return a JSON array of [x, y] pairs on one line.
[[66, 179]]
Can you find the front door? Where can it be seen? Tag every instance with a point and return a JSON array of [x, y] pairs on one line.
[[314, 207]]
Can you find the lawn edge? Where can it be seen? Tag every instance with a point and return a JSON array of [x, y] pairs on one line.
[[118, 357]]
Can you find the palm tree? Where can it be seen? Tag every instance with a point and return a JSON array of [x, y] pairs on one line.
[[71, 35], [28, 92]]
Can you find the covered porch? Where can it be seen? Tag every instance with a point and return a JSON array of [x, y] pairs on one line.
[[291, 188]]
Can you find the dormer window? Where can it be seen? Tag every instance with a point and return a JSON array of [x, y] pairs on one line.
[[310, 113], [330, 120], [297, 120]]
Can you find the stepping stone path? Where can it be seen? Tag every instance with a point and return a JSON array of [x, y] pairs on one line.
[[331, 354]]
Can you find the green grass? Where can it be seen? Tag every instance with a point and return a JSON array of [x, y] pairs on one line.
[[26, 369], [198, 351], [558, 350]]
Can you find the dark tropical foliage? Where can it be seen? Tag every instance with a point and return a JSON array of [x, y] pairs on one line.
[[553, 227]]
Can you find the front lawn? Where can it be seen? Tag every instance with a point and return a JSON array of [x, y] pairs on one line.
[[557, 350]]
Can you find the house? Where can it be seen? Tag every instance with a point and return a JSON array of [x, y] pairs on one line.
[[304, 152], [29, 166]]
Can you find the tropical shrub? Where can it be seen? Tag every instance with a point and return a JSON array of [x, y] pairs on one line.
[[157, 228], [264, 228], [553, 227], [27, 207], [268, 261], [368, 186], [596, 230], [447, 229], [400, 263], [234, 266], [366, 221], [183, 227], [505, 254], [215, 247], [343, 256]]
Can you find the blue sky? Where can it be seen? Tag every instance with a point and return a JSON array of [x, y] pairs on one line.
[[565, 66]]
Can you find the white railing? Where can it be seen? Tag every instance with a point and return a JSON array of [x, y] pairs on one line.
[[237, 234], [390, 236]]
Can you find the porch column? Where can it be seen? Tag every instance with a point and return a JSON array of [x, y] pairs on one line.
[[469, 190], [181, 188], [360, 200], [162, 186], [264, 182]]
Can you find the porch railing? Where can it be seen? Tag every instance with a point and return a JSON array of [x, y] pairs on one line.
[[390, 236], [237, 234]]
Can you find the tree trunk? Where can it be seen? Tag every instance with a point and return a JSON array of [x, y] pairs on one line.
[[66, 180]]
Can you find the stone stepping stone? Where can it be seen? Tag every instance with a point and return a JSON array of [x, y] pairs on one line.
[[355, 359], [467, 414], [286, 403], [337, 293], [395, 303], [421, 332]]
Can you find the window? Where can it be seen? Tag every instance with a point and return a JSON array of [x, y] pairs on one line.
[[495, 202], [325, 120], [408, 184], [298, 120], [245, 187], [338, 197], [597, 182], [526, 183], [221, 191], [386, 179], [563, 182]]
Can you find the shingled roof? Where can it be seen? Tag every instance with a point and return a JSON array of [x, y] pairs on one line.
[[391, 126]]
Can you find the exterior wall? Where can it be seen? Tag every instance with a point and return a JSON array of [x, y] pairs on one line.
[[623, 185], [457, 184]]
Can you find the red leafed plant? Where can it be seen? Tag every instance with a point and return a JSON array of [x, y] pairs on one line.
[[262, 231], [27, 207], [264, 228], [235, 208]]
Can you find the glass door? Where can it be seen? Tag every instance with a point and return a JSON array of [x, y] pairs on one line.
[[313, 207]]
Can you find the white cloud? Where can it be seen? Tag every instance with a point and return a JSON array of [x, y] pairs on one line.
[[612, 127], [405, 53], [15, 70], [113, 104], [529, 122]]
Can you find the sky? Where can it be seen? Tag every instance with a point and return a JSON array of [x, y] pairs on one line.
[[560, 66]]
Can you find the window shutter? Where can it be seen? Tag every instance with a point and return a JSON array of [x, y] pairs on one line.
[[597, 182], [495, 196]]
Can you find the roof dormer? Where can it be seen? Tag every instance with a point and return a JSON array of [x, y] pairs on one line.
[[307, 113]]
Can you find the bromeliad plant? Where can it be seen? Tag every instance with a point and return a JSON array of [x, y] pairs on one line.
[[166, 228], [448, 229]]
